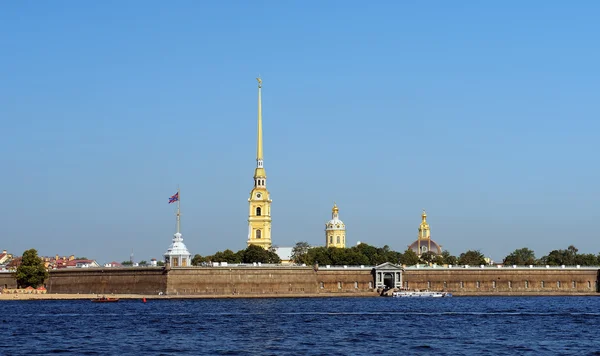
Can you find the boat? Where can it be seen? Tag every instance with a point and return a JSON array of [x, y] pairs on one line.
[[104, 299], [421, 294]]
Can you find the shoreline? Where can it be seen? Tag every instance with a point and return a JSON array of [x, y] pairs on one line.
[[23, 297]]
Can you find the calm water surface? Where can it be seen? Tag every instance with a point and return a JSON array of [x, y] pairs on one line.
[[310, 326]]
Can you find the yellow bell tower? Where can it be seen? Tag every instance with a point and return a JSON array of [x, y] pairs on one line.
[[335, 230], [424, 238], [259, 217]]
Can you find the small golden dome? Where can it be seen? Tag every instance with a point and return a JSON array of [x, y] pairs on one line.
[[335, 209]]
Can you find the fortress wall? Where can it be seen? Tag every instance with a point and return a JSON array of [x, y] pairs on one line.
[[342, 280], [7, 280], [274, 281], [507, 280], [241, 281], [146, 280], [265, 280]]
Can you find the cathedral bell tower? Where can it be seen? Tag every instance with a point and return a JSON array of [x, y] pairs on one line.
[[259, 217]]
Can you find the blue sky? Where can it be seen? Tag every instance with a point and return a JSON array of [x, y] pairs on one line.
[[485, 114]]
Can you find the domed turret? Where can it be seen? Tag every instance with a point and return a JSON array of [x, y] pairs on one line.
[[424, 242], [335, 230]]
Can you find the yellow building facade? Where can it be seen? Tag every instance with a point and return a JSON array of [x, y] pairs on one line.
[[335, 230], [259, 216]]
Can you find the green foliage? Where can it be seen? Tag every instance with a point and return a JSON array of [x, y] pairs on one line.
[[143, 263], [227, 256], [300, 253], [127, 263], [449, 259], [472, 258], [569, 257], [409, 258], [198, 260], [81, 258], [255, 253], [521, 257], [160, 263], [431, 257], [31, 271]]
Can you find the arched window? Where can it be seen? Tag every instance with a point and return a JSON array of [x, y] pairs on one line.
[[330, 239], [338, 239], [423, 249], [258, 212], [258, 233]]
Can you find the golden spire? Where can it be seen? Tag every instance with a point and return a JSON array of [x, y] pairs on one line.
[[335, 209], [424, 216], [259, 148]]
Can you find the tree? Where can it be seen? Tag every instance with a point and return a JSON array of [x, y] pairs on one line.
[[160, 263], [254, 253], [409, 258], [227, 256], [300, 253], [472, 258], [449, 259], [31, 272], [143, 263], [127, 263], [432, 257], [521, 257], [81, 258], [198, 260]]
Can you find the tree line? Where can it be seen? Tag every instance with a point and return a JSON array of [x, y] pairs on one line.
[[567, 257], [251, 254]]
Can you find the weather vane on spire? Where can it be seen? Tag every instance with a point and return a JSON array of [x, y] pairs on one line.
[[259, 81]]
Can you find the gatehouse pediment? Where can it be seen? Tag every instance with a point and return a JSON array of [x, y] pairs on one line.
[[388, 266]]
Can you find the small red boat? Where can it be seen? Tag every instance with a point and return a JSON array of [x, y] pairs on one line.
[[105, 300]]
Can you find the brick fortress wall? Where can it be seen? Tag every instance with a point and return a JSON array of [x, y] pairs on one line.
[[504, 281]]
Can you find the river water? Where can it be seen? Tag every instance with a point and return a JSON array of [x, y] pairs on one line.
[[304, 326]]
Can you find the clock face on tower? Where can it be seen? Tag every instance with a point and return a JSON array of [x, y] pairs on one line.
[[258, 195]]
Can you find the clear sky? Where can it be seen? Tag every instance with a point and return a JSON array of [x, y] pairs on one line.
[[486, 114]]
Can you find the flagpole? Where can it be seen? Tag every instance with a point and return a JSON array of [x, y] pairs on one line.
[[178, 206]]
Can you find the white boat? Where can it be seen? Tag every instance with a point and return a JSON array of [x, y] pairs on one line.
[[422, 294]]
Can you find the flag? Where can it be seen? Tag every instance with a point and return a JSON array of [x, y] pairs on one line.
[[174, 198]]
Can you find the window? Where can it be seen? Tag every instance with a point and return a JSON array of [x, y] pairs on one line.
[[589, 284], [370, 285], [428, 284], [423, 249], [526, 284], [258, 233], [330, 239], [573, 284], [509, 284], [493, 284], [322, 285], [355, 285], [258, 211], [338, 239], [339, 285], [543, 284], [462, 284], [478, 284], [445, 284], [557, 284]]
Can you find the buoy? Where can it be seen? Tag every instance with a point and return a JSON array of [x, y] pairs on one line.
[[144, 299]]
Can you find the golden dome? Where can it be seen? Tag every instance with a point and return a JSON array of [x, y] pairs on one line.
[[335, 209]]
